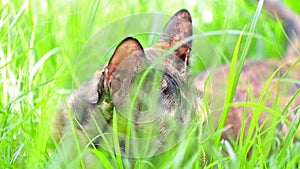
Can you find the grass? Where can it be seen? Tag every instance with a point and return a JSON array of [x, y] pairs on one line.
[[43, 45]]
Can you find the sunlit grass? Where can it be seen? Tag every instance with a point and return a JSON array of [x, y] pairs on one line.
[[41, 41]]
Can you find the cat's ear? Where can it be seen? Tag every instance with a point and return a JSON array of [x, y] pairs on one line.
[[122, 68], [177, 29]]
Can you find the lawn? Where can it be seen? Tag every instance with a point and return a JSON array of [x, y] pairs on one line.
[[48, 48]]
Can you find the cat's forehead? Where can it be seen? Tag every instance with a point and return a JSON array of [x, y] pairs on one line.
[[157, 56], [168, 62]]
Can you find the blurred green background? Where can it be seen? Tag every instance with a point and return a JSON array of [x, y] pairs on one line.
[[43, 45]]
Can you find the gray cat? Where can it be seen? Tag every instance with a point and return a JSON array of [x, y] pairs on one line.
[[147, 89]]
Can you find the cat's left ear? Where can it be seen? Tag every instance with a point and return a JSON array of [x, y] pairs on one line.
[[177, 29], [122, 68]]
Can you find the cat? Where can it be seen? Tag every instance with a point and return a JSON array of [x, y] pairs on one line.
[[146, 88]]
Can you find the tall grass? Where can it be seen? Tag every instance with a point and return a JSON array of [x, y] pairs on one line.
[[40, 45]]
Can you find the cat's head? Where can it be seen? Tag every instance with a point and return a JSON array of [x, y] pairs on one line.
[[157, 73]]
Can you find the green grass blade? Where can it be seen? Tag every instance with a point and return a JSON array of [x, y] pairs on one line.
[[116, 140]]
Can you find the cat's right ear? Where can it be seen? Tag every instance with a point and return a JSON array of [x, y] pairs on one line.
[[122, 68], [177, 29]]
